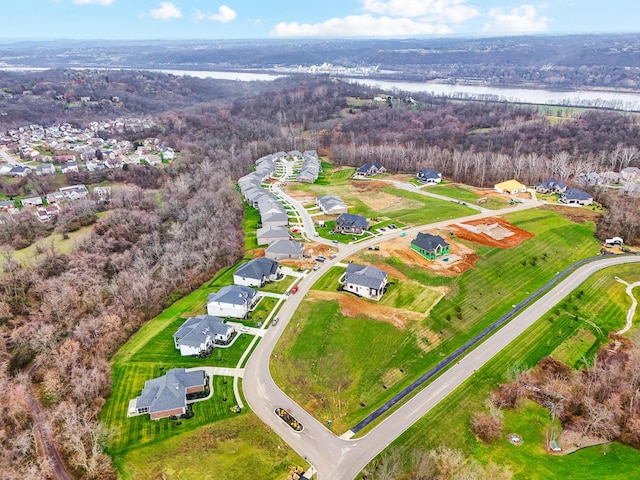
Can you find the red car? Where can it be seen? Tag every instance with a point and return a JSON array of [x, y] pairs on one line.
[[294, 289]]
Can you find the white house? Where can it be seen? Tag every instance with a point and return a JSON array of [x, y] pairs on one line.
[[198, 334], [256, 272], [232, 301], [331, 205], [429, 176], [365, 281]]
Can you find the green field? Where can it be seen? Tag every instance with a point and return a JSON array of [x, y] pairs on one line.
[[460, 192], [606, 302], [348, 366], [234, 448]]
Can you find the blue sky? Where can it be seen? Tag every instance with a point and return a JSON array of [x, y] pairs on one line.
[[210, 19]]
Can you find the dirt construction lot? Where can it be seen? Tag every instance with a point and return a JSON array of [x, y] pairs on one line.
[[459, 260], [493, 231]]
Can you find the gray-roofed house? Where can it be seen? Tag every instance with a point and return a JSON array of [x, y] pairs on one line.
[[199, 334], [284, 249], [574, 196], [31, 202], [365, 281], [270, 234], [20, 171], [369, 169], [430, 246], [551, 186], [166, 396], [274, 218], [429, 176], [256, 272], [232, 301], [45, 169], [630, 174], [331, 205], [632, 189], [350, 223]]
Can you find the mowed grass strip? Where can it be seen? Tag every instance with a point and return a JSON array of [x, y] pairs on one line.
[[342, 389], [233, 448], [449, 422]]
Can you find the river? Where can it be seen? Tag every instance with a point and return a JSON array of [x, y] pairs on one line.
[[579, 98]]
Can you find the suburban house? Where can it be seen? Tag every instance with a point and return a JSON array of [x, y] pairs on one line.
[[365, 281], [45, 169], [589, 179], [631, 189], [430, 246], [551, 186], [370, 169], [274, 218], [573, 196], [310, 168], [331, 205], [19, 171], [31, 202], [166, 396], [510, 186], [232, 301], [429, 176], [54, 197], [630, 174], [268, 235], [350, 223], [256, 272], [610, 177], [284, 249], [199, 334], [69, 167], [74, 192]]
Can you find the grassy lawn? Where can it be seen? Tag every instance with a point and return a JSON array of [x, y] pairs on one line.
[[604, 300], [341, 363], [249, 225], [460, 192], [402, 206], [230, 449]]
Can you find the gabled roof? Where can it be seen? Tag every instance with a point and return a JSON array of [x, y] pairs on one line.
[[276, 231], [365, 276], [258, 268], [169, 391], [427, 173], [510, 185], [330, 201], [350, 219], [195, 331], [576, 194], [233, 295], [551, 183], [367, 166], [286, 247], [428, 242]]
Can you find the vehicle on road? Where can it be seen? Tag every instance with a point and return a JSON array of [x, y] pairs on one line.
[[320, 258], [275, 320], [334, 241], [316, 267], [294, 289], [331, 257]]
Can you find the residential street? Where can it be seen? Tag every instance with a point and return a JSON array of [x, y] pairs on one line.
[[337, 458]]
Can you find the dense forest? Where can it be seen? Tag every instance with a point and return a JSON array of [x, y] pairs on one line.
[[64, 316]]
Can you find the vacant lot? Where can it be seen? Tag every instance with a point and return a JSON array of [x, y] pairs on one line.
[[604, 300], [334, 361], [492, 231], [469, 195]]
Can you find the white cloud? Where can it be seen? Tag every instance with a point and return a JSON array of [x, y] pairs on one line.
[[522, 19], [455, 11], [166, 11], [225, 15], [93, 2], [359, 25]]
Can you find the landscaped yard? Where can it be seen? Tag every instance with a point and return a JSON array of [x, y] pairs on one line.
[[343, 364]]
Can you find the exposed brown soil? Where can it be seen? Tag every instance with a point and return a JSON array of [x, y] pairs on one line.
[[352, 306], [576, 215], [461, 257], [571, 441], [371, 194], [305, 198], [493, 237]]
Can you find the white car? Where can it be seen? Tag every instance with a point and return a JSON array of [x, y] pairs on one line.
[[317, 266], [244, 329]]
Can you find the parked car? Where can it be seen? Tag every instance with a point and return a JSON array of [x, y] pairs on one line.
[[316, 267], [320, 258], [244, 329], [294, 289]]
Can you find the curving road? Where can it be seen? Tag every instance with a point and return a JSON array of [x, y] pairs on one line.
[[341, 458]]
